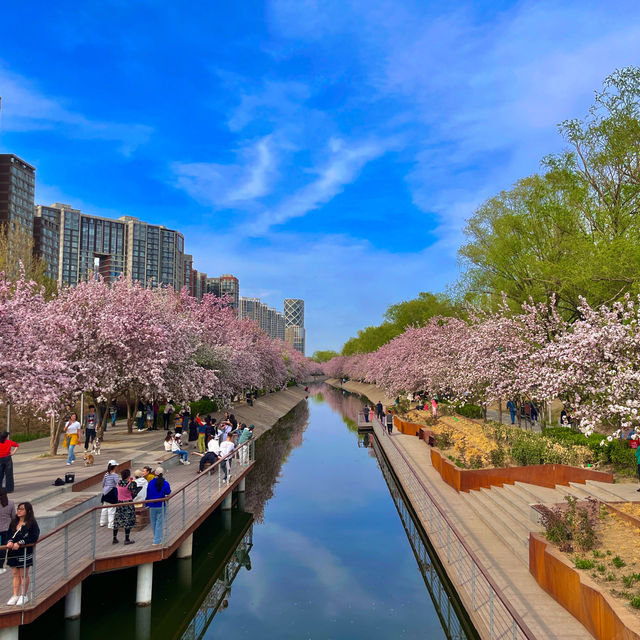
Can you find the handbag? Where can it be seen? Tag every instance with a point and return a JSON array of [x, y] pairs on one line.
[[139, 414]]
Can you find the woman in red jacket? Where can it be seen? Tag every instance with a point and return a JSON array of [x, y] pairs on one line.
[[7, 449]]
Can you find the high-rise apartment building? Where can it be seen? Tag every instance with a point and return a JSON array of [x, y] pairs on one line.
[[17, 191], [226, 286], [75, 244], [270, 320], [294, 323]]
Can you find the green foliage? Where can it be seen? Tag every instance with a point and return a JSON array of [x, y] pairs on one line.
[[573, 525], [528, 450], [324, 356], [635, 602], [618, 562], [498, 457], [583, 563], [203, 406], [397, 318], [470, 411], [573, 230]]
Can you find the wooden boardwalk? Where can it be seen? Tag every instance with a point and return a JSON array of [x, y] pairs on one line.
[[68, 554]]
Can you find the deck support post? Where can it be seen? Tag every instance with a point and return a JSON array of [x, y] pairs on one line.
[[10, 633], [241, 485], [185, 550], [145, 584], [226, 503], [226, 519], [73, 602]]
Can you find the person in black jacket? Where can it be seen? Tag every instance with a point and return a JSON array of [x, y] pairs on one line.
[[23, 534]]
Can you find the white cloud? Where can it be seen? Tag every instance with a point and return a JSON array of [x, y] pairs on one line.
[[230, 185], [342, 168], [26, 108]]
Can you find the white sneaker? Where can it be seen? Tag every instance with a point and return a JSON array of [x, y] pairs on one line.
[[13, 600], [22, 600], [68, 464], [186, 462]]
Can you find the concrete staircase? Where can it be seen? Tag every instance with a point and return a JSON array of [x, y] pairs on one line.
[[508, 511]]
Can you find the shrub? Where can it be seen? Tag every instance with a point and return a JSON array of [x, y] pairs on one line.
[[470, 411], [618, 562], [622, 456], [573, 524], [498, 457], [528, 450], [635, 602], [203, 406]]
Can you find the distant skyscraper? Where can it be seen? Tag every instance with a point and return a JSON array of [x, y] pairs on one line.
[[270, 320], [294, 323], [17, 191]]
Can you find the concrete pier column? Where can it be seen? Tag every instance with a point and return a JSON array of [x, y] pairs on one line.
[[226, 504], [241, 500], [145, 584], [185, 550], [241, 485], [143, 623], [226, 519], [73, 602], [9, 633]]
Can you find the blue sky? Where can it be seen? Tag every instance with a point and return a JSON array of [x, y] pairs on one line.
[[328, 150]]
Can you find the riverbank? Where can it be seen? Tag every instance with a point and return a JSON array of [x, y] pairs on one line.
[[409, 457], [34, 473]]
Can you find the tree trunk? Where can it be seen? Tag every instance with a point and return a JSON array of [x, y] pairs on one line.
[[500, 410], [103, 418], [132, 410], [484, 412], [55, 431]]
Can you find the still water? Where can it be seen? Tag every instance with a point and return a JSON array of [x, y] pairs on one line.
[[318, 551]]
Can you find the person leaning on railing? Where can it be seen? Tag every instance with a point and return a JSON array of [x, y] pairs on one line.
[[157, 488], [23, 534]]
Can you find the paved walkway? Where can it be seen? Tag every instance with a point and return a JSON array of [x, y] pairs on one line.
[[34, 474], [544, 616]]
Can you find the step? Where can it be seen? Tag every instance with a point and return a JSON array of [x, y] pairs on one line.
[[626, 491], [485, 510], [538, 494], [517, 519], [577, 491], [596, 489], [53, 513]]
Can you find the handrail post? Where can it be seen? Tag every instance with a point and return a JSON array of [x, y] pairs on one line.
[[94, 526], [198, 495], [184, 513]]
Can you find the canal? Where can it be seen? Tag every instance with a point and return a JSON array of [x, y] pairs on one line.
[[322, 546]]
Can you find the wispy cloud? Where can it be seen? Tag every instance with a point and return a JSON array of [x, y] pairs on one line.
[[230, 185], [26, 108], [342, 168]]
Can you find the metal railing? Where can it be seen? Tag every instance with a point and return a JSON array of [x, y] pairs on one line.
[[476, 587], [73, 547]]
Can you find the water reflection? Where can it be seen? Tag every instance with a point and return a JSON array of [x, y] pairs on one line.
[[217, 599]]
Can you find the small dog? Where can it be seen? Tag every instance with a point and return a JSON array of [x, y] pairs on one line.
[[96, 447], [88, 459]]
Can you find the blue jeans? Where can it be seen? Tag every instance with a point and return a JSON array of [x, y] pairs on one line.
[[156, 515], [182, 453], [71, 457]]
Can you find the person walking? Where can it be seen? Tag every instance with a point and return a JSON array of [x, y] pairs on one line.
[[167, 413], [7, 514], [125, 517], [365, 413], [434, 408], [156, 411], [23, 534], [7, 449], [72, 432], [511, 406], [157, 488], [389, 421], [90, 426], [637, 454], [149, 415], [113, 412], [109, 494], [380, 411]]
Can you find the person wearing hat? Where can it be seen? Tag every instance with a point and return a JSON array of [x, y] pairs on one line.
[[109, 494]]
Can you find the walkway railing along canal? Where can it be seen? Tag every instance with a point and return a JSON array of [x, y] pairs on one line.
[[475, 586], [71, 550]]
